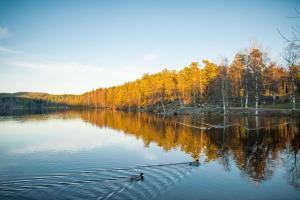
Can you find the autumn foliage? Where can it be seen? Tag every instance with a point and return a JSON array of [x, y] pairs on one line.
[[201, 83], [251, 77]]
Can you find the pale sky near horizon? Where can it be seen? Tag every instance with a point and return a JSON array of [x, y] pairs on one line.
[[75, 46]]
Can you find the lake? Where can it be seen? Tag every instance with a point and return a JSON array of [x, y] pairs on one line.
[[99, 155]]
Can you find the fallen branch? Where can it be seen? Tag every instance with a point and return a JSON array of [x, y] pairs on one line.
[[216, 125], [221, 125], [192, 126]]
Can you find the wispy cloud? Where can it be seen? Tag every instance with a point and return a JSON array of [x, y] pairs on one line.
[[7, 50], [4, 32], [70, 74], [150, 57], [52, 66], [103, 72]]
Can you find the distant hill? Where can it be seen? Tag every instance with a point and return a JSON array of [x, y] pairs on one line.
[[11, 103], [25, 94]]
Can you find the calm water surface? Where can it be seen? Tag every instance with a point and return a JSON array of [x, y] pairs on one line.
[[93, 155]]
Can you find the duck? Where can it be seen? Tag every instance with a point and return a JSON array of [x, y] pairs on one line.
[[195, 163], [137, 177]]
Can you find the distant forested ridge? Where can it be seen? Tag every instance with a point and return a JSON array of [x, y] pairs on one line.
[[251, 78]]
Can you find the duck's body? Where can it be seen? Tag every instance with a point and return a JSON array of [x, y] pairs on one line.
[[137, 178], [195, 163]]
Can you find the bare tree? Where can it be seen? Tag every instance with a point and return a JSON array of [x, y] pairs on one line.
[[224, 89], [246, 82], [291, 53], [257, 64], [295, 30], [291, 56]]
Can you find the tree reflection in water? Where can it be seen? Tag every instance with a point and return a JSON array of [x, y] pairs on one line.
[[256, 144], [255, 152]]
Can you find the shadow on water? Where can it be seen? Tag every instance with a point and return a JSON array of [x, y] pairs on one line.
[[256, 144]]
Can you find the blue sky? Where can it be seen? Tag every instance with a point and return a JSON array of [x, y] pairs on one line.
[[75, 46]]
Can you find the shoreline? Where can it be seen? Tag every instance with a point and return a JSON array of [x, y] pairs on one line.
[[169, 110]]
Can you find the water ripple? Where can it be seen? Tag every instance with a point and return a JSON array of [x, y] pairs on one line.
[[99, 184]]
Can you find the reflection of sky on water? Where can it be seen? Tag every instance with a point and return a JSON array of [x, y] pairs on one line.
[[35, 145], [59, 136], [255, 163]]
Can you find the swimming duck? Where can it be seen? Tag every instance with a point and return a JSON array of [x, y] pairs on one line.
[[195, 163], [138, 177]]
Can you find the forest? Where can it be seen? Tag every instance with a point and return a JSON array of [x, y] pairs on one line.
[[251, 79]]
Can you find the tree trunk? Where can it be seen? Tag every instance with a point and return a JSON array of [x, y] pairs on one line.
[[194, 94], [257, 124], [239, 93], [139, 101], [256, 94], [180, 101], [201, 89], [223, 98], [226, 91], [246, 88], [163, 107], [247, 124], [293, 93]]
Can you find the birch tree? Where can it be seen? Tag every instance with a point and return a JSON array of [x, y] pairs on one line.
[[247, 66], [256, 63], [291, 57], [224, 88]]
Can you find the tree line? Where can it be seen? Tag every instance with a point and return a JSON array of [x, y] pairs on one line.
[[251, 79]]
